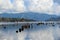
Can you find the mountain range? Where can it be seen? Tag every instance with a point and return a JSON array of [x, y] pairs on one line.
[[54, 19], [29, 15]]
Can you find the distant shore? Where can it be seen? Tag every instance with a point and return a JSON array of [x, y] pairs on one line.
[[15, 20], [48, 22]]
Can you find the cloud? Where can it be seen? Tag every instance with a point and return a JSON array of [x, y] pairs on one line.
[[16, 6], [44, 6], [56, 9], [5, 5], [19, 5], [41, 6]]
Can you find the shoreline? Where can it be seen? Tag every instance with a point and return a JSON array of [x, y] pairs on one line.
[[48, 22]]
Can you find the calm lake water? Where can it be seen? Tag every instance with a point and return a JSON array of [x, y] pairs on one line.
[[35, 32]]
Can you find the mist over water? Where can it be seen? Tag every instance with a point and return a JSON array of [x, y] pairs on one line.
[[36, 32]]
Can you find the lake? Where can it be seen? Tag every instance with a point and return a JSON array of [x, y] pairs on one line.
[[35, 32]]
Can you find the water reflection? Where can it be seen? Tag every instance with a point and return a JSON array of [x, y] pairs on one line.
[[30, 32]]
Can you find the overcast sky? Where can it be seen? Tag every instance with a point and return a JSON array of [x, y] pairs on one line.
[[41, 6]]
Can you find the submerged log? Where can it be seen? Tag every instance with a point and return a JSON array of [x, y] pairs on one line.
[[20, 30], [40, 24], [4, 27], [26, 26], [16, 31]]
